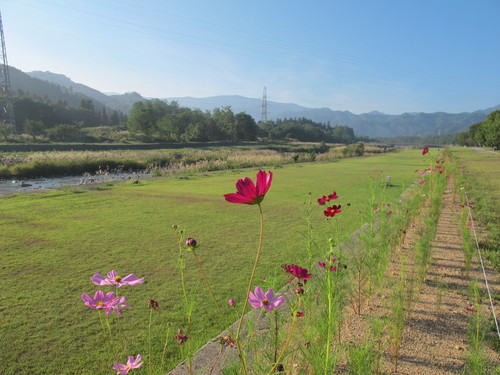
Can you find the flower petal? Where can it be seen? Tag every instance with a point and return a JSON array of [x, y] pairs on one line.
[[237, 198], [264, 181]]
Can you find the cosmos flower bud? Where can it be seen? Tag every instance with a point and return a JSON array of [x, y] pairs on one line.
[[231, 302], [191, 243]]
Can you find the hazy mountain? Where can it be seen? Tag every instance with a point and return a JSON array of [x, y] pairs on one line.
[[38, 81], [373, 124]]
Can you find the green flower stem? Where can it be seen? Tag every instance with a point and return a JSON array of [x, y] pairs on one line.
[[207, 283], [150, 367], [250, 282], [107, 331], [329, 329], [164, 349], [289, 338]]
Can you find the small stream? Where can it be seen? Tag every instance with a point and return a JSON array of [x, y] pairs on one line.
[[13, 185]]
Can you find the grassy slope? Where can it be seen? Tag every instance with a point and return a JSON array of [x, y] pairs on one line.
[[482, 171], [52, 243]]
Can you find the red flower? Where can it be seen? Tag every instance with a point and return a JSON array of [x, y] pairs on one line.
[[328, 263], [249, 193], [324, 199], [425, 150], [302, 274], [332, 211]]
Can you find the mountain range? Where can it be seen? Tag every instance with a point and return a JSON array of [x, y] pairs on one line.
[[57, 87]]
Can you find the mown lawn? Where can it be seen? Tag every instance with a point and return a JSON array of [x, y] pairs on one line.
[[52, 243]]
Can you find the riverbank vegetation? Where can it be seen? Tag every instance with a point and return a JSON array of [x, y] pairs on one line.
[[179, 160]]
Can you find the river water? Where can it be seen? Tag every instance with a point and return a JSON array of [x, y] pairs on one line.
[[13, 185]]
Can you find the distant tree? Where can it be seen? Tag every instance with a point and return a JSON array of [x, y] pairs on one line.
[[225, 121], [34, 128], [63, 133], [491, 130], [87, 104], [6, 129], [142, 118], [245, 127]]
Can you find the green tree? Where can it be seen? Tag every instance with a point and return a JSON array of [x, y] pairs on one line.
[[245, 126], [225, 121], [63, 133], [142, 118], [34, 128], [6, 129], [491, 130]]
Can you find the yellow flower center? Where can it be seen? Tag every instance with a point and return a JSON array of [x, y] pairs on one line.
[[118, 279], [265, 301], [100, 303]]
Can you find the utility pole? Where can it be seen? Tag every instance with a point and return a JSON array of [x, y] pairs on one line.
[[6, 102], [263, 118]]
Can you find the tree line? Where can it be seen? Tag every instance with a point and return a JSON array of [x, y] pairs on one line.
[[485, 133], [158, 121], [163, 121]]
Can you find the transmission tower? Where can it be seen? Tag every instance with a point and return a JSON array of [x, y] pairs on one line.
[[6, 102], [263, 118]]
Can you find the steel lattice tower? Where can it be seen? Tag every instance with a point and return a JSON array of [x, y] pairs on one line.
[[6, 102], [263, 118]]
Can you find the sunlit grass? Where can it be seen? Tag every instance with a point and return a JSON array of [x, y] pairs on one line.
[[53, 243]]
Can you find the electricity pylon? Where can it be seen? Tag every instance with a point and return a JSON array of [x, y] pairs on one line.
[[6, 102]]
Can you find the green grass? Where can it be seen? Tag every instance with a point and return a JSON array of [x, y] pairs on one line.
[[52, 243], [482, 184]]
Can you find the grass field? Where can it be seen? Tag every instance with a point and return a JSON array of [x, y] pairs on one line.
[[52, 243], [482, 178]]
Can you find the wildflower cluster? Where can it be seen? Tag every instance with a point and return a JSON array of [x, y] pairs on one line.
[[110, 303], [332, 210]]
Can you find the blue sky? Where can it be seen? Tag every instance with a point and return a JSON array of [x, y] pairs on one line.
[[393, 56]]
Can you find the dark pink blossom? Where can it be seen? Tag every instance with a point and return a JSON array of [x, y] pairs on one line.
[[332, 211], [325, 199], [329, 264], [302, 274], [425, 150], [247, 192]]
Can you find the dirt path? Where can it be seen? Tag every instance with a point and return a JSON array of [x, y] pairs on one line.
[[435, 339]]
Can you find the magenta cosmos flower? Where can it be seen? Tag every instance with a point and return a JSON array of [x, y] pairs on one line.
[[325, 199], [114, 279], [131, 364], [247, 192], [108, 302], [302, 274], [425, 150], [332, 211], [266, 300]]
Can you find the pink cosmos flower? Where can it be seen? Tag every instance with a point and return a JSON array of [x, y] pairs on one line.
[[420, 181], [325, 199], [247, 192], [114, 279], [328, 263], [332, 211], [425, 150], [107, 302], [231, 302], [258, 299], [302, 274], [131, 364]]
